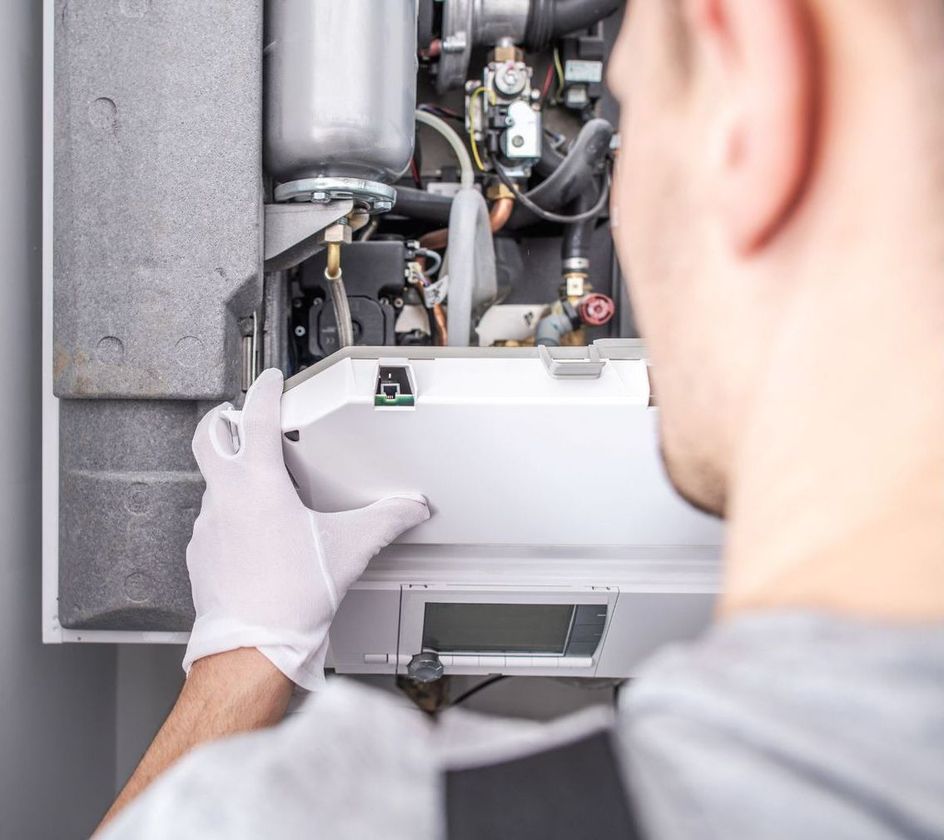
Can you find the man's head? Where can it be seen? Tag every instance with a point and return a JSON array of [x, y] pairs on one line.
[[762, 141]]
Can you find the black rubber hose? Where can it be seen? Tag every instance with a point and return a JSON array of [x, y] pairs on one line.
[[549, 19], [423, 206], [550, 160], [576, 241], [575, 175]]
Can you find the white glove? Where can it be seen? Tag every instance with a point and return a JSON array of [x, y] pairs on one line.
[[266, 571]]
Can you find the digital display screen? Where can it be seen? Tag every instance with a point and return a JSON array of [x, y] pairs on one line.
[[497, 628]]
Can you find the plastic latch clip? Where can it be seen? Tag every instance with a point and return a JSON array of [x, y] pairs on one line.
[[589, 368]]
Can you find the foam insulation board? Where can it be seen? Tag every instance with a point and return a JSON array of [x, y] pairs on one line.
[[157, 259]]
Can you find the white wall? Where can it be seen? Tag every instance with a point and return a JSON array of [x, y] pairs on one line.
[[57, 705]]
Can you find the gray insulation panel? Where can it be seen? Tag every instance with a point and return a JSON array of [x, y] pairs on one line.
[[129, 493], [158, 195], [157, 257]]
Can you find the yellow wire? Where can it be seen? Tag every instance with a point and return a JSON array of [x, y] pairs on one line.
[[560, 72], [472, 144]]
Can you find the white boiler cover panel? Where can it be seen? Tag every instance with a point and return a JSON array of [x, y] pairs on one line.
[[505, 452]]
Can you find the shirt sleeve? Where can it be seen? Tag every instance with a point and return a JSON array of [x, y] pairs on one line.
[[349, 757]]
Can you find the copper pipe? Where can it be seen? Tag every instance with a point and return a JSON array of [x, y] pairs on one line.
[[500, 213], [498, 216], [435, 240], [439, 318]]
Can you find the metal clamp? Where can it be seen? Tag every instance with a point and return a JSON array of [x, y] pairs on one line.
[[589, 368], [372, 196]]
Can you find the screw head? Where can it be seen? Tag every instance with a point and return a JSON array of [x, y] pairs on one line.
[[383, 206], [517, 141]]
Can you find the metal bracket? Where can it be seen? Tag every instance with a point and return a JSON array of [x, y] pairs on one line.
[[293, 231], [589, 368]]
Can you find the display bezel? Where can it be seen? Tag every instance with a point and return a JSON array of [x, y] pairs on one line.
[[432, 638], [414, 597]]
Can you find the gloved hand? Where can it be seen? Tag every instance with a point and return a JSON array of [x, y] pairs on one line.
[[266, 571]]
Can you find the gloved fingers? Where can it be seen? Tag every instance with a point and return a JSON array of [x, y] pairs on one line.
[[213, 439], [385, 520], [350, 539], [262, 417]]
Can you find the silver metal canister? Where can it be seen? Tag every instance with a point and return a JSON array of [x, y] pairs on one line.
[[340, 89]]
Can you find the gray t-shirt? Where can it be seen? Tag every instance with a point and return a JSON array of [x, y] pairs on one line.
[[781, 725]]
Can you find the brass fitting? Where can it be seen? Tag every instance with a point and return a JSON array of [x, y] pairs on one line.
[[334, 237], [497, 190], [333, 267], [339, 232], [507, 52], [575, 284]]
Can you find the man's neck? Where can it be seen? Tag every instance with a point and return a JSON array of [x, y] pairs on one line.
[[838, 486]]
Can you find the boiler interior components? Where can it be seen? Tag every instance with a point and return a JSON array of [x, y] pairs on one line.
[[404, 178]]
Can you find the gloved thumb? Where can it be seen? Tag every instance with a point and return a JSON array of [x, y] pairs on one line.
[[350, 539]]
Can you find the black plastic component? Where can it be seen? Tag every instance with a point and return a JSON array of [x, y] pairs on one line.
[[374, 279], [583, 48], [373, 325], [550, 19]]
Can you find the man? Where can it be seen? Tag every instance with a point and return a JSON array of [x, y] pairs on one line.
[[780, 203]]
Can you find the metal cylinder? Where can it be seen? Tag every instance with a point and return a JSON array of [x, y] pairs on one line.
[[340, 88]]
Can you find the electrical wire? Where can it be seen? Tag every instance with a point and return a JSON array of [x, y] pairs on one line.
[[477, 688], [547, 215], [449, 134], [430, 254], [440, 111], [415, 172], [560, 72], [472, 144], [548, 78]]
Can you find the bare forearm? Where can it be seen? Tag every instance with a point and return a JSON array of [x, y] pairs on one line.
[[225, 694]]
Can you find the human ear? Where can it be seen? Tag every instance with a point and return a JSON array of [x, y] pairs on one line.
[[761, 125]]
